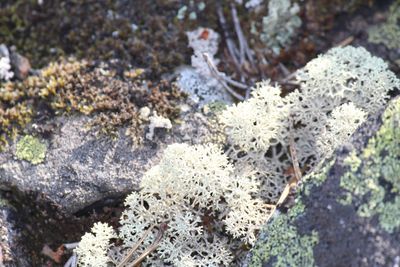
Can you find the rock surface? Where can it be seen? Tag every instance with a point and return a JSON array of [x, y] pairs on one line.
[[12, 250], [81, 168], [346, 213]]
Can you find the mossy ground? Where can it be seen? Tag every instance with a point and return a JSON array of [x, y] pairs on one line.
[[91, 89], [98, 30]]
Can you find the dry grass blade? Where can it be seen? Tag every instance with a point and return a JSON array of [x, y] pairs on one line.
[[243, 44], [220, 79], [135, 247], [233, 51], [295, 161], [163, 228]]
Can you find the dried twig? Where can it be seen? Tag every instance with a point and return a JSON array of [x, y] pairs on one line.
[[1, 257], [72, 261], [163, 228], [220, 79], [135, 247], [295, 161], [346, 41], [288, 78], [243, 44], [54, 255], [229, 42], [285, 70], [70, 246], [296, 178]]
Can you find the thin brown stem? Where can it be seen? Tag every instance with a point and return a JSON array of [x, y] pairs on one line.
[[163, 228], [135, 247], [219, 78], [243, 44], [233, 51]]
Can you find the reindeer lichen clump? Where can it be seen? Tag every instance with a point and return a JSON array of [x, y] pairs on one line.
[[215, 202]]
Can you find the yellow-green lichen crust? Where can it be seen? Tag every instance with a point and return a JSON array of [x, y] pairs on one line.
[[372, 179], [388, 32], [283, 245], [30, 148], [280, 242]]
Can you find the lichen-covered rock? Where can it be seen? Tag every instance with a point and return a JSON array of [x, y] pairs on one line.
[[346, 212], [80, 167]]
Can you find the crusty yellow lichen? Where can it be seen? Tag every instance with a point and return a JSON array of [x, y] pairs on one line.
[[29, 148], [282, 244], [372, 180]]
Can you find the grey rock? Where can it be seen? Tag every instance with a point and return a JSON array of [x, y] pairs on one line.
[[81, 168]]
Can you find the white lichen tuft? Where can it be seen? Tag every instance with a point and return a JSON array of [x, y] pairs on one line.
[[5, 69], [93, 247], [156, 122], [191, 185], [348, 74], [342, 123], [280, 25], [253, 3], [337, 91], [199, 82], [254, 124]]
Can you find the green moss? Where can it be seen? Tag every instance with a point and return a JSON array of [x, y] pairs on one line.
[[31, 149], [387, 33], [372, 181], [283, 244]]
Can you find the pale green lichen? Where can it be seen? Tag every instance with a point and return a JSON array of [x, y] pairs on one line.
[[372, 180], [318, 176], [280, 26], [3, 202], [31, 149], [215, 107], [283, 244], [387, 33]]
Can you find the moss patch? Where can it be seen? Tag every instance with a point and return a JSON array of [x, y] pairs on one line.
[[31, 149], [372, 179], [87, 88]]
